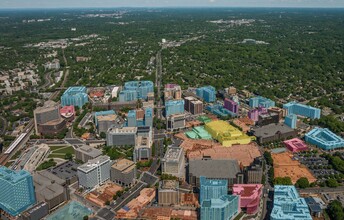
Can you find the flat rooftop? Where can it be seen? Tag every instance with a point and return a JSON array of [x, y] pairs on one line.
[[66, 170], [48, 185], [90, 151], [123, 165], [106, 118], [123, 130], [214, 168], [271, 129], [173, 154], [91, 164]]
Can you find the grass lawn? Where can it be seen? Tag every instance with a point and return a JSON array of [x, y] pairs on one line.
[[62, 156], [64, 150], [53, 148], [9, 163]]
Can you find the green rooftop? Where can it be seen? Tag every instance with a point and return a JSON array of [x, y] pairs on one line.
[[198, 133]]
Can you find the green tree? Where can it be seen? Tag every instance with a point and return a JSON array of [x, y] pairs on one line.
[[85, 217], [103, 134], [68, 156], [335, 210], [332, 183], [302, 183], [282, 181]]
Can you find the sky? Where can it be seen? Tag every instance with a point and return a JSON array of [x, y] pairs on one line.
[[168, 3]]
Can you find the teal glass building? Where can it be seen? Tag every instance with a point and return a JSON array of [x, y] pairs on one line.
[[207, 93], [291, 120], [75, 96], [260, 101], [134, 90], [303, 110], [16, 191], [224, 208]]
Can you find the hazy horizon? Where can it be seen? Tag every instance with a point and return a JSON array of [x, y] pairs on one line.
[[32, 4]]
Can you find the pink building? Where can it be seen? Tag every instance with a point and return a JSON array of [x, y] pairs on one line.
[[231, 106], [262, 110], [295, 145], [253, 115], [250, 195], [68, 112]]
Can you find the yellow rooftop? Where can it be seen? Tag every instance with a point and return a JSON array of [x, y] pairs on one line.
[[226, 134]]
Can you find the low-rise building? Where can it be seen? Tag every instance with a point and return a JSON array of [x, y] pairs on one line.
[[214, 169], [175, 122], [123, 172], [50, 188], [287, 204], [295, 145], [273, 132], [168, 193], [95, 172], [37, 212], [324, 138], [86, 153], [249, 196], [174, 162], [66, 171]]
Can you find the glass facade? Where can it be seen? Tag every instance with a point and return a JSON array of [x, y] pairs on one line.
[[303, 110], [75, 96], [16, 191]]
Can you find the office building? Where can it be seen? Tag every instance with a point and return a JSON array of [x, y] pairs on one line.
[[123, 172], [260, 101], [175, 122], [273, 132], [280, 111], [174, 162], [50, 189], [302, 110], [253, 114], [219, 110], [268, 118], [288, 205], [102, 113], [172, 91], [86, 153], [134, 90], [16, 191], [231, 106], [115, 91], [173, 107], [144, 141], [76, 96], [214, 169], [104, 122], [95, 172], [295, 145], [48, 119], [254, 172], [224, 208], [121, 136], [207, 93], [291, 120], [324, 138], [140, 117], [168, 193], [249, 196], [212, 188], [193, 105]]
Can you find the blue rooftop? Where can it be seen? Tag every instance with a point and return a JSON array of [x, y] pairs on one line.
[[324, 138]]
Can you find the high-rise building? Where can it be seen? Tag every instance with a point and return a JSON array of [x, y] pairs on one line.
[[134, 90], [231, 106], [140, 117], [172, 91], [224, 208], [174, 162], [174, 107], [207, 93], [121, 136], [123, 172], [48, 119], [254, 172], [16, 191], [280, 111], [144, 140], [212, 188], [291, 120], [303, 110], [231, 90], [261, 101], [95, 172], [193, 105], [105, 120], [289, 205], [250, 196], [75, 96], [168, 193], [253, 115]]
